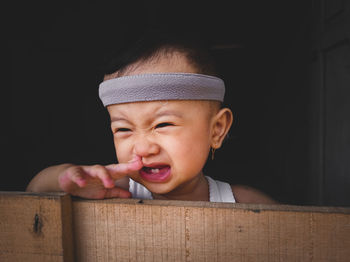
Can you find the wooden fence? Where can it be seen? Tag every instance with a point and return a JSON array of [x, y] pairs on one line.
[[55, 227]]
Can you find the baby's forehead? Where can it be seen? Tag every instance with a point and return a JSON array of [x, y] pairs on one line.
[[161, 107]]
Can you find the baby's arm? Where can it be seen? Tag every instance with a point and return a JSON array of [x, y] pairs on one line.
[[96, 182], [47, 179], [249, 195]]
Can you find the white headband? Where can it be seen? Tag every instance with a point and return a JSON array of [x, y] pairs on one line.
[[167, 86]]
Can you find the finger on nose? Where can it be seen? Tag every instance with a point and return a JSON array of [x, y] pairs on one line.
[[136, 164], [124, 168], [135, 158]]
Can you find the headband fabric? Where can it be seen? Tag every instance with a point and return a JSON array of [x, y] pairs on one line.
[[164, 86]]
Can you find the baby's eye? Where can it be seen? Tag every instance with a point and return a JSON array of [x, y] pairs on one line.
[[164, 125], [123, 129]]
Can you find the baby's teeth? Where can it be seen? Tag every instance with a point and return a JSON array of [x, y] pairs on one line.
[[154, 170]]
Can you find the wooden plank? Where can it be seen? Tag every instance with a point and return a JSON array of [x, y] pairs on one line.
[[152, 230], [35, 227], [127, 232], [38, 228]]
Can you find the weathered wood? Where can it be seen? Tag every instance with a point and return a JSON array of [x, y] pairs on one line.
[[38, 227], [35, 227], [132, 230]]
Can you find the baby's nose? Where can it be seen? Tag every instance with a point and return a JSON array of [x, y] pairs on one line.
[[145, 147]]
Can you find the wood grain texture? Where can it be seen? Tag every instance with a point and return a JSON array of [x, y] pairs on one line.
[[40, 227], [127, 230], [35, 227]]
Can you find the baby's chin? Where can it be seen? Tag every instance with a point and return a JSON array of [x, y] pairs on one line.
[[156, 188]]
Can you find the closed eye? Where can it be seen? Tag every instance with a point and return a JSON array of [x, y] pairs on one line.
[[122, 129], [164, 125]]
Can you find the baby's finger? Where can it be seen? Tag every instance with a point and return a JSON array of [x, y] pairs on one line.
[[122, 169], [117, 192], [78, 176], [71, 177], [101, 173]]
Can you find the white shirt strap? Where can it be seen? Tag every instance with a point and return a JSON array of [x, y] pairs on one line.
[[220, 191]]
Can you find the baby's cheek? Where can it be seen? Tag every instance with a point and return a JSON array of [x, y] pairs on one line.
[[191, 159], [122, 152]]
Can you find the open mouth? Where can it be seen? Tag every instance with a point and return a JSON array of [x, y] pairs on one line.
[[155, 173]]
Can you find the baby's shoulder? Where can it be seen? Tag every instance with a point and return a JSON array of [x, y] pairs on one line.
[[250, 195]]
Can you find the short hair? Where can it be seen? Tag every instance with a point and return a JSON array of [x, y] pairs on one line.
[[154, 42]]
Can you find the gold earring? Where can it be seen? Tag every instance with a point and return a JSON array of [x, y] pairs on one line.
[[213, 153]]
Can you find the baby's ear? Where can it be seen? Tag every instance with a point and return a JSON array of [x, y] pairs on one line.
[[221, 124]]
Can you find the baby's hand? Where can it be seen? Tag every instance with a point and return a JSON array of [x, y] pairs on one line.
[[97, 181]]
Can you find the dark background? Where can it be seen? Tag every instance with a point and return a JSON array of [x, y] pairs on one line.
[[51, 113]]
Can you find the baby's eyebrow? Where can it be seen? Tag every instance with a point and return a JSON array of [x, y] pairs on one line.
[[115, 119], [159, 114], [169, 113]]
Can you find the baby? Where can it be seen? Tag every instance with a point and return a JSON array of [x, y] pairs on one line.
[[164, 101]]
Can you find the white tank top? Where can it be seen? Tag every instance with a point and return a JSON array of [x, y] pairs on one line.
[[218, 191]]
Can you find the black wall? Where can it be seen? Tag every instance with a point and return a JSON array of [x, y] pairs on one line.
[[51, 113]]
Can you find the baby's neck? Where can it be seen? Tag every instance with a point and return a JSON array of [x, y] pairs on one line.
[[196, 189]]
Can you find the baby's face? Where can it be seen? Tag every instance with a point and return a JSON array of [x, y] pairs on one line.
[[171, 137]]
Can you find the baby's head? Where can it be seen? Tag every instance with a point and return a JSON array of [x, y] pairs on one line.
[[165, 108]]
